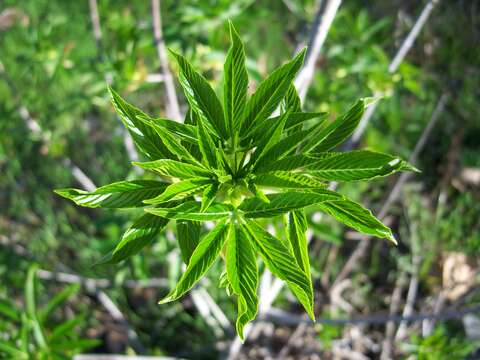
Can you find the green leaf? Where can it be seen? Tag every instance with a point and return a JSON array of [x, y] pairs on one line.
[[180, 190], [286, 145], [144, 136], [257, 192], [357, 217], [122, 194], [209, 195], [191, 210], [175, 169], [184, 131], [292, 101], [356, 165], [270, 137], [57, 300], [12, 350], [201, 260], [66, 327], [242, 275], [188, 235], [235, 83], [201, 97], [288, 180], [281, 262], [291, 162], [174, 145], [270, 92], [207, 147], [296, 228], [8, 309], [336, 132], [142, 232], [283, 202]]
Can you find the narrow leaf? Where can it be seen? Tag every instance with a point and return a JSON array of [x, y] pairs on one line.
[[336, 132], [288, 180], [142, 232], [356, 165], [122, 194], [357, 217], [209, 195], [144, 136], [235, 83], [282, 263], [242, 275], [270, 92], [175, 169], [201, 260], [206, 144], [201, 97], [175, 145], [284, 202], [180, 190], [296, 228], [191, 210], [188, 235]]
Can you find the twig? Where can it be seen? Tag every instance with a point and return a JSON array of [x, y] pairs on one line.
[[97, 34], [395, 63], [321, 26], [121, 357], [95, 284], [387, 346], [173, 109], [116, 314], [281, 317]]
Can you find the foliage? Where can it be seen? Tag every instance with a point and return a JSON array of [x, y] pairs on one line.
[[32, 331], [234, 165]]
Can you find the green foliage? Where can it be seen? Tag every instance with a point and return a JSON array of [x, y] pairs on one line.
[[31, 331], [244, 164]]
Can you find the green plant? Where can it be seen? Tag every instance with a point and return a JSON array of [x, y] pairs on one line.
[[31, 331], [236, 165]]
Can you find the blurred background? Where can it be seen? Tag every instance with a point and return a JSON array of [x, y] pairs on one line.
[[420, 300]]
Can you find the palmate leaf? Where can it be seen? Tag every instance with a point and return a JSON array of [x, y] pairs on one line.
[[336, 132], [146, 139], [122, 194], [235, 83], [281, 262], [283, 202], [175, 169], [207, 147], [191, 210], [241, 264], [288, 180], [201, 97], [142, 232], [184, 131], [201, 260], [270, 92], [174, 145], [188, 235], [233, 164], [356, 165], [357, 217], [180, 190]]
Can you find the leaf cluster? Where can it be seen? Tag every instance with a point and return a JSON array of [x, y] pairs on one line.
[[253, 157]]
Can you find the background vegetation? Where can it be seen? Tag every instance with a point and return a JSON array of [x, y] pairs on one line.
[[56, 118]]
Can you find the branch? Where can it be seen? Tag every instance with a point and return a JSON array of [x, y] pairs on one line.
[[321, 26], [173, 109], [395, 63]]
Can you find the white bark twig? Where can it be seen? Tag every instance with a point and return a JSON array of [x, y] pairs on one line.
[[173, 108], [395, 63], [320, 28], [97, 34]]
